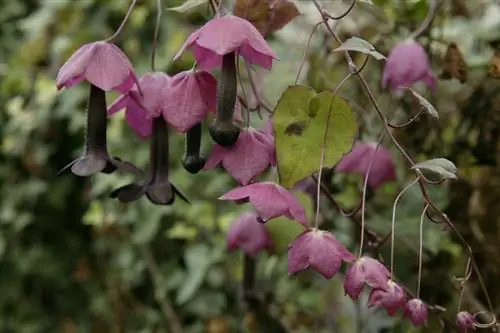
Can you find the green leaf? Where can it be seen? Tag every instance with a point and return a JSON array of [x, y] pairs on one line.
[[440, 166], [431, 110], [187, 6], [198, 260], [360, 45], [300, 121]]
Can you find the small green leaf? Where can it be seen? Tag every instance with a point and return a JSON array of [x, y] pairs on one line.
[[198, 259], [187, 6], [299, 121], [431, 110], [360, 45], [440, 166]]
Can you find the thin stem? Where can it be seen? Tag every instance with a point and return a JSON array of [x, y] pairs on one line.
[[306, 51], [323, 147], [125, 19], [363, 197], [393, 221], [351, 6], [420, 249], [155, 34], [254, 89], [433, 5], [408, 122]]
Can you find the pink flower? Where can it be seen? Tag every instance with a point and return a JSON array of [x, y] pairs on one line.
[[224, 35], [319, 250], [465, 321], [367, 271], [270, 200], [392, 298], [102, 64], [139, 110], [406, 64], [247, 158], [417, 311], [248, 234], [190, 97], [358, 160]]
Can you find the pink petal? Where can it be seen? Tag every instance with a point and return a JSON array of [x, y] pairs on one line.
[[139, 120], [187, 101], [247, 159], [215, 158], [248, 234], [295, 207], [120, 103]]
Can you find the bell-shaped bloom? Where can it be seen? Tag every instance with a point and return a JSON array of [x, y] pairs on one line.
[[406, 64], [319, 250], [140, 109], [270, 200], [190, 97], [247, 158], [247, 234], [465, 321], [391, 299], [358, 160], [224, 35], [100, 63], [95, 157], [157, 186], [365, 271], [417, 311]]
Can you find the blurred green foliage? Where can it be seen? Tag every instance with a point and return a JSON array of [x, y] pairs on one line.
[[74, 260]]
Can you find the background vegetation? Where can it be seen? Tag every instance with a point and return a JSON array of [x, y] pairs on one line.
[[74, 260]]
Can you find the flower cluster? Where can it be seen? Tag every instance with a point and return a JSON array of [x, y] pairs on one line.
[[156, 102]]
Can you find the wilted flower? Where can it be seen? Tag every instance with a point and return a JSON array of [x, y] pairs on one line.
[[100, 63], [157, 186], [270, 200], [367, 271], [228, 34], [465, 321], [248, 234], [247, 159], [392, 298], [417, 311], [358, 160], [319, 250], [406, 64], [140, 109]]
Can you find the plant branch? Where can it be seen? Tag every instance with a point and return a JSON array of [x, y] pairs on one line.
[[421, 182]]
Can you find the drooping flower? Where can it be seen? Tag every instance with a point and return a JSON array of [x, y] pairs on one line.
[[217, 44], [157, 186], [391, 299], [224, 35], [100, 63], [270, 200], [367, 271], [358, 160], [417, 311], [95, 157], [406, 64], [247, 234], [190, 97], [319, 250], [140, 109], [465, 321], [247, 159]]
